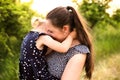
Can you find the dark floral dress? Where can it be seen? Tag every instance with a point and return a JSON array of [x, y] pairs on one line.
[[33, 65]]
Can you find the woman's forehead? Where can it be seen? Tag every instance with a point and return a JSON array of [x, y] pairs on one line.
[[50, 26]]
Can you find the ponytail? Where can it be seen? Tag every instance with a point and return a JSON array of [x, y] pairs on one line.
[[84, 37]]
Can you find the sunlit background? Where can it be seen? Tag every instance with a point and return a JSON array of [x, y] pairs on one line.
[[15, 17], [43, 6]]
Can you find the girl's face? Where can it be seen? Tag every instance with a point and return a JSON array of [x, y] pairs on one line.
[[57, 33]]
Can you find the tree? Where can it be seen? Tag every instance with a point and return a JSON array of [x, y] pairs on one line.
[[116, 15], [14, 24], [93, 10]]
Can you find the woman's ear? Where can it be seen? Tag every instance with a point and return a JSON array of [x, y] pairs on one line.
[[65, 29]]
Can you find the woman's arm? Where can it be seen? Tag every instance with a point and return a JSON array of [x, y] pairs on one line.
[[74, 67]]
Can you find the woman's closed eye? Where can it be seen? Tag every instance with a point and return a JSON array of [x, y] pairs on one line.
[[49, 31]]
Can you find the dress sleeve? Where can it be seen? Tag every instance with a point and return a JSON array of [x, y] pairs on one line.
[[79, 49]]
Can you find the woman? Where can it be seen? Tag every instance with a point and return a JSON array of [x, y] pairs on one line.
[[69, 66]]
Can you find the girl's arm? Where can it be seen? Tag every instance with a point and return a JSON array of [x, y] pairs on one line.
[[74, 67], [53, 44]]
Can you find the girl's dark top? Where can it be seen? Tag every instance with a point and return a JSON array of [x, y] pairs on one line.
[[33, 65]]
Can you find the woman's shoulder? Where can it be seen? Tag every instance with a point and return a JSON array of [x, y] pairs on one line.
[[81, 48], [78, 49]]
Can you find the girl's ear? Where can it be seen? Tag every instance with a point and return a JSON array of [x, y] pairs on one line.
[[65, 29]]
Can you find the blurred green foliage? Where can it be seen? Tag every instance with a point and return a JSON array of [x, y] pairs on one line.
[[15, 23], [105, 28]]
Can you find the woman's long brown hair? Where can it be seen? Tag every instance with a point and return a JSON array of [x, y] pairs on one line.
[[61, 16]]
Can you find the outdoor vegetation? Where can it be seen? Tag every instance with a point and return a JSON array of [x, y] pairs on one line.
[[15, 23]]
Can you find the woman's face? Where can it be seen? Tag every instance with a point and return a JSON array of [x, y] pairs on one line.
[[57, 33]]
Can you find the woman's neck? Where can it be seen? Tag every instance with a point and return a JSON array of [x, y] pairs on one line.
[[75, 42]]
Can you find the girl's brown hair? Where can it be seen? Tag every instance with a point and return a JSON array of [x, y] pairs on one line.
[[61, 16]]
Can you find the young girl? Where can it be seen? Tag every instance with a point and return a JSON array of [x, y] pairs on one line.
[[33, 64]]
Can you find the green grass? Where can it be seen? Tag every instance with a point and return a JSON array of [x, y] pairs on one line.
[[107, 53], [108, 69], [106, 42]]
